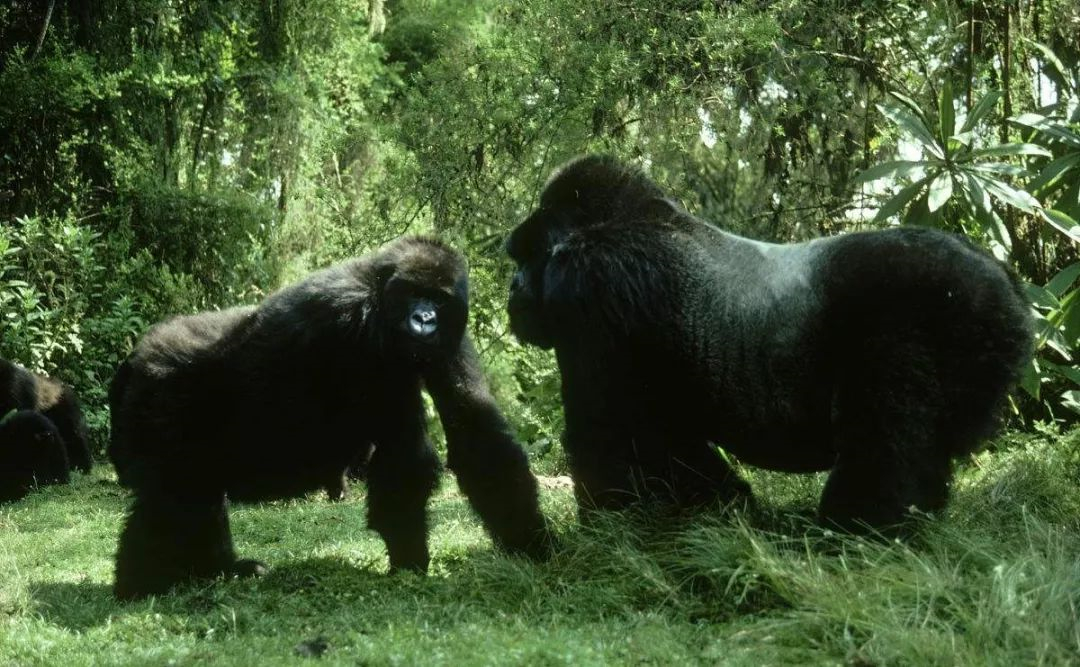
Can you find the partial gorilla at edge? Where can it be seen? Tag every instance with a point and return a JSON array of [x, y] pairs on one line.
[[270, 402], [32, 454], [22, 390], [879, 356]]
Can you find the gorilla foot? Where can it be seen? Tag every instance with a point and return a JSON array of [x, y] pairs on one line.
[[248, 567]]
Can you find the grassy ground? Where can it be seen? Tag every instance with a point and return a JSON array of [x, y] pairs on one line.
[[995, 581]]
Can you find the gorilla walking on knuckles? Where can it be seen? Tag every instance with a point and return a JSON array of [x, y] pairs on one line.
[[879, 356], [275, 401]]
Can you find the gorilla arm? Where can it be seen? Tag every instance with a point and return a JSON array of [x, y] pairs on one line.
[[491, 468]]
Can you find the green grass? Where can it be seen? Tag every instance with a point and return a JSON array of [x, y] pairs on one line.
[[996, 581]]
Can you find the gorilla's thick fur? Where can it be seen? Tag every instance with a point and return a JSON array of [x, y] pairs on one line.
[[32, 454], [879, 356], [270, 402], [22, 390]]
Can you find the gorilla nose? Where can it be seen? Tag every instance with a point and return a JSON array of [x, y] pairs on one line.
[[423, 322]]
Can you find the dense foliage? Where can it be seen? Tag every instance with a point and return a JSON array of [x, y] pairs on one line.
[[159, 157]]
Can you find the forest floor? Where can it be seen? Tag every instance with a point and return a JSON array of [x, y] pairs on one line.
[[995, 581]]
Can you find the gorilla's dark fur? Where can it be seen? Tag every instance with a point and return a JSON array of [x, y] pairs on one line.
[[270, 402], [32, 454], [879, 356], [22, 390]]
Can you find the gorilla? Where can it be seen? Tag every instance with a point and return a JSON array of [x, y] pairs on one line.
[[32, 454], [878, 356], [22, 390], [335, 486], [270, 402]]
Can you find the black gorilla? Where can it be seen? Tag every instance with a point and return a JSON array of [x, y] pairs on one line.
[[22, 390], [213, 325], [32, 454], [879, 356], [271, 402]]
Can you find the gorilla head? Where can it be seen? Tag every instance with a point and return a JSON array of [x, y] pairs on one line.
[[577, 201], [425, 295]]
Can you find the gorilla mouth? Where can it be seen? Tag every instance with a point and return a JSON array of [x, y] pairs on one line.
[[424, 320]]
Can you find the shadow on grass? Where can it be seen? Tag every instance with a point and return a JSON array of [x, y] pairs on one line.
[[331, 585]]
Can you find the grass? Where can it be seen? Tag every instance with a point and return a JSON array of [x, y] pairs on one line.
[[996, 581]]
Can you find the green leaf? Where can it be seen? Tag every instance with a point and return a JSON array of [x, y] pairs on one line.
[[1011, 149], [894, 169], [1052, 128], [1071, 400], [940, 191], [984, 106], [1030, 380], [1041, 296], [946, 112], [1004, 192], [998, 168], [1070, 318], [1070, 372], [900, 200], [1063, 223], [914, 126], [975, 193], [1051, 174], [912, 106], [1064, 279]]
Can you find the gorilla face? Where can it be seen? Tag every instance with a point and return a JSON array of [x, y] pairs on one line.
[[530, 246], [424, 305], [428, 321]]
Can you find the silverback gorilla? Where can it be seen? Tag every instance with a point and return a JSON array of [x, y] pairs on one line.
[[22, 390], [270, 402], [879, 356], [32, 454]]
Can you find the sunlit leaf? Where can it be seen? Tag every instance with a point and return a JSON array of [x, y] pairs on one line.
[[1030, 380], [895, 169], [1050, 176], [998, 168], [1064, 279], [946, 112], [1041, 296], [900, 200], [1063, 223], [915, 127], [1055, 129], [1070, 318], [940, 191], [1011, 149], [1070, 372], [984, 106], [1008, 194]]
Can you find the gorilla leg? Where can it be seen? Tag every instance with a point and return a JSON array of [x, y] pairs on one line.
[[700, 476], [885, 431], [601, 466], [402, 475], [613, 468], [169, 538]]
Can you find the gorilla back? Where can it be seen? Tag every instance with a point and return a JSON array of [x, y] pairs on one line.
[[876, 355], [275, 401]]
